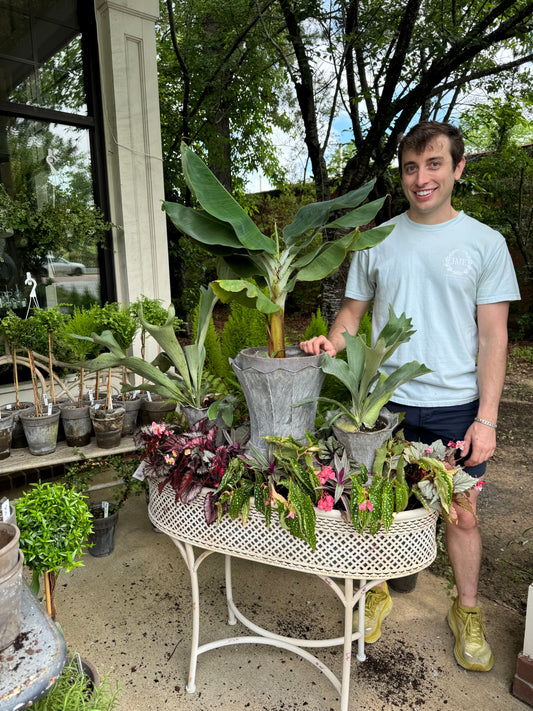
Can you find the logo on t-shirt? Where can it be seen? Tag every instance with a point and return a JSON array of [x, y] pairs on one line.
[[459, 262]]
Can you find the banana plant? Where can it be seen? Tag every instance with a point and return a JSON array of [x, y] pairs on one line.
[[188, 385], [276, 262], [370, 389]]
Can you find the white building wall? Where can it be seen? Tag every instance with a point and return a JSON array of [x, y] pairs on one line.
[[128, 66]]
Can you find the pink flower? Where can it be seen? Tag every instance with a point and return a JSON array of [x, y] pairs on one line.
[[169, 459], [460, 444], [325, 474], [159, 430], [479, 485], [427, 450], [326, 502], [366, 505], [290, 514], [451, 444]]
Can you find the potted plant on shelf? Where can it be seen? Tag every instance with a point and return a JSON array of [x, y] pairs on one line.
[[54, 522], [276, 262], [189, 384], [363, 425]]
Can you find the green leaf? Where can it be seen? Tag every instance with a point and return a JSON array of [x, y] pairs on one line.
[[244, 293]]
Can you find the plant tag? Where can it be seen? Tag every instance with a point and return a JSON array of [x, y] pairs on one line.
[[139, 472], [8, 407], [91, 397], [49, 408], [111, 404], [149, 396], [135, 394], [45, 399], [97, 406], [4, 511], [105, 506]]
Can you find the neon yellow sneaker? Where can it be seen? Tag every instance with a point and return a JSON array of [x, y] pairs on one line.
[[472, 651], [378, 604]]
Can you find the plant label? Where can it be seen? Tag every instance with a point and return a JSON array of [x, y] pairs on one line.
[[91, 397], [139, 472], [149, 396], [49, 408], [4, 510], [8, 407], [105, 506], [45, 400]]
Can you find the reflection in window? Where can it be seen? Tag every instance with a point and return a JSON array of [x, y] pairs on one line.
[[49, 226]]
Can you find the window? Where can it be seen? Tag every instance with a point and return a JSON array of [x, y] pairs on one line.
[[52, 181]]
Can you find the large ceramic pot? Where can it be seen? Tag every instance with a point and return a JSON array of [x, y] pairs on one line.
[[272, 386], [361, 446], [41, 431]]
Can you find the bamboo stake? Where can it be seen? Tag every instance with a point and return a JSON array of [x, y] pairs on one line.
[[96, 384], [16, 375], [80, 389], [49, 588], [34, 383], [124, 380], [108, 398], [50, 353]]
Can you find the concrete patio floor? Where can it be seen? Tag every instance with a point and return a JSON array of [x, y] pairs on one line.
[[129, 613]]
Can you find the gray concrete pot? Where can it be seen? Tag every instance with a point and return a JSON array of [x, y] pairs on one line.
[[18, 439], [41, 432], [107, 426], [6, 432], [9, 547], [131, 418], [77, 424], [155, 410], [361, 446], [272, 386]]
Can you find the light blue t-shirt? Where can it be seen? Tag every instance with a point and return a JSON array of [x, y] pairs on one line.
[[437, 275]]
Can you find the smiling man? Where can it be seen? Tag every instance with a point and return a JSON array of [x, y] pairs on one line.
[[454, 277]]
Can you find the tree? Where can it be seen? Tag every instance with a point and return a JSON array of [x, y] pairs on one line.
[[220, 87], [392, 63]]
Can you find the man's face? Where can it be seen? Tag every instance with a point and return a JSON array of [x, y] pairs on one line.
[[427, 181]]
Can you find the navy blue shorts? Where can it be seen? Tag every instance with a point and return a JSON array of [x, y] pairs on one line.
[[427, 424]]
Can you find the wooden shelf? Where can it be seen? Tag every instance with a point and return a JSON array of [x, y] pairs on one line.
[[21, 459]]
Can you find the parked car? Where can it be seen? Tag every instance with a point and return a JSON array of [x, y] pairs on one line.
[[60, 265]]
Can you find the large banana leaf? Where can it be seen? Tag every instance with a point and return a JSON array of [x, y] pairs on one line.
[[216, 200], [244, 293]]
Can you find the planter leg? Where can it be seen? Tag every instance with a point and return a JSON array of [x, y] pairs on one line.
[[347, 650], [232, 620]]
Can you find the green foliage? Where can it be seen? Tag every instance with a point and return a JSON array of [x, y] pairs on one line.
[[120, 321], [153, 311], [317, 327], [70, 222], [369, 387], [80, 475], [54, 522], [78, 329], [277, 261], [243, 329], [75, 692]]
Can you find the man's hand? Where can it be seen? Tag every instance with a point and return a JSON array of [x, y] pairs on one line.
[[480, 441], [319, 343]]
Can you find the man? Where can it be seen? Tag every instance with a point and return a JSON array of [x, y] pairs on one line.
[[454, 277]]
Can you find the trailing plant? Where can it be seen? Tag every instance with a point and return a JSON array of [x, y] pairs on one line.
[[54, 522], [80, 475], [277, 261]]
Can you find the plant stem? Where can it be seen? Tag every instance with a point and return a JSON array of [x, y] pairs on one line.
[[276, 340], [50, 354], [16, 377], [34, 383]]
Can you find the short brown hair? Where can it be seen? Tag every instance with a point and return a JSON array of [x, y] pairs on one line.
[[423, 134]]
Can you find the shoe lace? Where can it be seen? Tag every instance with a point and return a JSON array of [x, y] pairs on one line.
[[474, 628], [373, 599]]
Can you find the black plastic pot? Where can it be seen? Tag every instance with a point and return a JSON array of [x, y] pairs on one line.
[[102, 539]]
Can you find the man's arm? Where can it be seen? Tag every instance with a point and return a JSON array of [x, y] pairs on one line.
[[491, 367], [348, 319]]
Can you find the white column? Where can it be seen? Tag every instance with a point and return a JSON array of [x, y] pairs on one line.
[[128, 67]]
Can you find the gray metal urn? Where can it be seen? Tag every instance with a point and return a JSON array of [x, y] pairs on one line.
[[272, 385], [361, 446]]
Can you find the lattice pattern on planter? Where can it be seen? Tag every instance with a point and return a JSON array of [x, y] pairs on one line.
[[408, 547]]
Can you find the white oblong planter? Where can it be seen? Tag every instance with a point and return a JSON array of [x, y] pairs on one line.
[[408, 547]]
